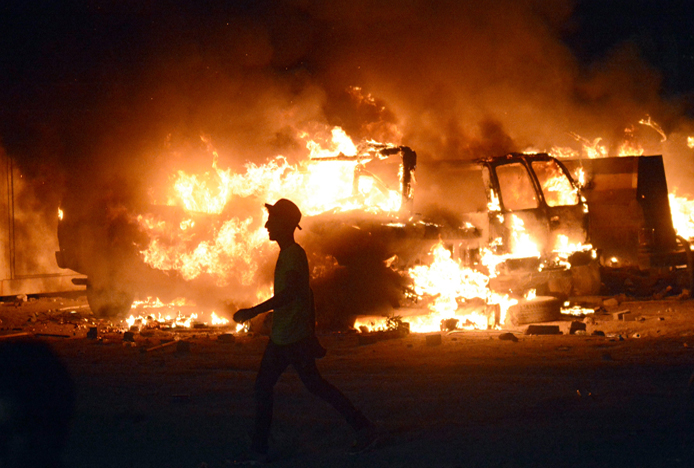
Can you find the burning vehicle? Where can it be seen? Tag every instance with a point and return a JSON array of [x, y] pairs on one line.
[[505, 227], [133, 250], [27, 239], [509, 228], [521, 217], [631, 224], [480, 237]]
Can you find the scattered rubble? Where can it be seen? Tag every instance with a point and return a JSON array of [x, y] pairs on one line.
[[165, 344], [614, 318]]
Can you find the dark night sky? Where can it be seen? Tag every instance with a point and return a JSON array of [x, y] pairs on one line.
[[662, 31], [101, 86]]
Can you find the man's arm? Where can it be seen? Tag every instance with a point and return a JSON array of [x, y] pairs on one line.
[[283, 297]]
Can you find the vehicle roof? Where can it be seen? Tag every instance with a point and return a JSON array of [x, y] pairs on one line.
[[495, 160]]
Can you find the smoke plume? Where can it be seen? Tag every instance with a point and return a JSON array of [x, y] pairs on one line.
[[125, 89]]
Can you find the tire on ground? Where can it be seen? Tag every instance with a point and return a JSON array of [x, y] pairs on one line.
[[537, 310]]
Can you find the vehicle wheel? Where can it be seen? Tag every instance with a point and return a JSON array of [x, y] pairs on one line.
[[538, 310], [108, 303]]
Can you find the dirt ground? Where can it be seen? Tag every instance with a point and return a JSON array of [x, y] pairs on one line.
[[475, 400]]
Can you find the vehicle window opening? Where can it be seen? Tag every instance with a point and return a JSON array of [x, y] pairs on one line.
[[556, 186], [517, 190]]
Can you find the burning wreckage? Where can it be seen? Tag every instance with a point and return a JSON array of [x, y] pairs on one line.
[[489, 242]]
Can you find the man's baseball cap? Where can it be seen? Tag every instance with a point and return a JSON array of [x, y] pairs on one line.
[[285, 210]]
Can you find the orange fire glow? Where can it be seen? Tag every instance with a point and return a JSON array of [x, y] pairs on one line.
[[335, 178], [592, 149], [323, 183], [682, 210], [654, 125], [449, 291], [446, 283], [152, 313]]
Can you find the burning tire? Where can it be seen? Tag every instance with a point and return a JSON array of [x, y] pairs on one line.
[[108, 303], [540, 309]]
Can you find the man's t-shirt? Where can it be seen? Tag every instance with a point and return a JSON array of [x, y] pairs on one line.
[[292, 322]]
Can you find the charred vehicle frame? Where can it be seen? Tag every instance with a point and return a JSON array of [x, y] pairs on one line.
[[526, 210]]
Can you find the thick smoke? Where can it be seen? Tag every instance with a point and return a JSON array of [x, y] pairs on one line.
[[114, 96], [125, 89]]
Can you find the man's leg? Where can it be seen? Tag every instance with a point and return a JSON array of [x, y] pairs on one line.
[[272, 366], [308, 373]]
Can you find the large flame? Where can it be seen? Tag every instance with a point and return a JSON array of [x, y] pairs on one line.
[[522, 243], [682, 215], [450, 284], [326, 182], [682, 208], [336, 177], [154, 313]]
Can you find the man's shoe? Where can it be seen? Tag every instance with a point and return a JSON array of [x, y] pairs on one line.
[[365, 439]]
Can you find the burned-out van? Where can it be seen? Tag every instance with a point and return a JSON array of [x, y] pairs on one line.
[[640, 252], [522, 212], [518, 218]]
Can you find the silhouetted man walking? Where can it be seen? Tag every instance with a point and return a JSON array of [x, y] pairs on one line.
[[292, 339]]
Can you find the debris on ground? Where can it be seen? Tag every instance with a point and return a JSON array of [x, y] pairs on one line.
[[508, 337]]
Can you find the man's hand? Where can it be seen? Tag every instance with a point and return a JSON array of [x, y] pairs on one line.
[[244, 314]]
